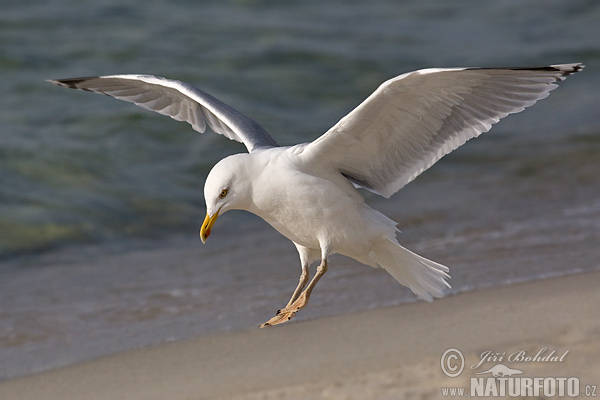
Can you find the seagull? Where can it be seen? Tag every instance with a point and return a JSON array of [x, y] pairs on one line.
[[308, 192]]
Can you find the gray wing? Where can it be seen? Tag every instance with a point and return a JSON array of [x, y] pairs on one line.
[[179, 101], [413, 120]]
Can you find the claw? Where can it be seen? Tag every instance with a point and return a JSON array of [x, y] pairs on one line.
[[278, 319]]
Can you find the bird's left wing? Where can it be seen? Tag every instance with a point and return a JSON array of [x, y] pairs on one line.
[[179, 101], [413, 120]]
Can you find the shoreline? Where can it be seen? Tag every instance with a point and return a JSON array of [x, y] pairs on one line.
[[383, 352]]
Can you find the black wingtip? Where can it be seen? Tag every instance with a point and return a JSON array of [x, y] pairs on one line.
[[564, 69], [72, 83]]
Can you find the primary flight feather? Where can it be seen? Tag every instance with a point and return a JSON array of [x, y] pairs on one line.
[[308, 191]]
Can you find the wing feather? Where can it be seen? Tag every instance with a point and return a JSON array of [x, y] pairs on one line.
[[413, 120], [179, 101]]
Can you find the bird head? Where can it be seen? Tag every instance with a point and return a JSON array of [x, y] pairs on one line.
[[225, 189]]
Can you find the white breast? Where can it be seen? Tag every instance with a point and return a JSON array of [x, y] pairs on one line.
[[311, 208]]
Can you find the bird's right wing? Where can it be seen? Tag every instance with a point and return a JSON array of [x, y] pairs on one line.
[[413, 120], [179, 101]]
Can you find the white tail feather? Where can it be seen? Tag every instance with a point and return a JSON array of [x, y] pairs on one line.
[[426, 278]]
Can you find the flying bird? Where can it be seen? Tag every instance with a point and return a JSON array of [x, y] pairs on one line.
[[308, 192]]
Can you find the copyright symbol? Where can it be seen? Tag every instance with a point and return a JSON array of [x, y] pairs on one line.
[[452, 362]]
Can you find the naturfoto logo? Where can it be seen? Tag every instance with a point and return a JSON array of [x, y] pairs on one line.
[[501, 380]]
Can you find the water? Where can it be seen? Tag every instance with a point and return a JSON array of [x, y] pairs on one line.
[[100, 202], [82, 168]]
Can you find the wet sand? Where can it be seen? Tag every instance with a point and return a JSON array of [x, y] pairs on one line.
[[384, 353]]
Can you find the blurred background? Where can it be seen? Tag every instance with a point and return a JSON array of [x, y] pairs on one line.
[[86, 180], [77, 168]]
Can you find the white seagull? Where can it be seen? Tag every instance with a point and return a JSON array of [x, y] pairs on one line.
[[308, 193]]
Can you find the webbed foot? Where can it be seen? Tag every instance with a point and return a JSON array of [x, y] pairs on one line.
[[280, 318]]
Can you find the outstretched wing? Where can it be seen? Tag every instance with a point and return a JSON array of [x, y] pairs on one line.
[[413, 120], [179, 101]]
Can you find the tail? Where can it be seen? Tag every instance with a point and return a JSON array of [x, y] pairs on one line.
[[426, 278]]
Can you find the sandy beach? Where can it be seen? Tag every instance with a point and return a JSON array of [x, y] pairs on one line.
[[386, 353]]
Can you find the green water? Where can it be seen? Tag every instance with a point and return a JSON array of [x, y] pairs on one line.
[[82, 168]]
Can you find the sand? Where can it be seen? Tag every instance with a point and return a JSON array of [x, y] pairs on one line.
[[386, 353]]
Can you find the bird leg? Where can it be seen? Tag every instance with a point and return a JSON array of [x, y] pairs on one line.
[[300, 302], [303, 281]]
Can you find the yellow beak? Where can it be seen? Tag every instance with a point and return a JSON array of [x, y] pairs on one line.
[[207, 226]]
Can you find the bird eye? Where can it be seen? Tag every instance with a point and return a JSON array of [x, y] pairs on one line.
[[223, 193]]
